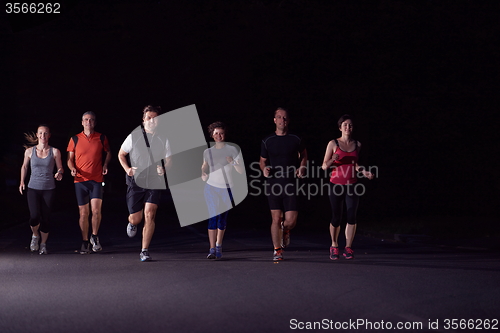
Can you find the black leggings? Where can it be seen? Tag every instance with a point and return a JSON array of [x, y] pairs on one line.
[[338, 194], [40, 204]]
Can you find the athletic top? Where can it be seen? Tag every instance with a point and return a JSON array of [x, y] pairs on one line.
[[344, 169], [282, 153], [88, 156], [42, 171], [217, 159], [139, 156]]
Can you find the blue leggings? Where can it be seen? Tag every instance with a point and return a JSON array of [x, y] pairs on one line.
[[217, 200], [338, 194]]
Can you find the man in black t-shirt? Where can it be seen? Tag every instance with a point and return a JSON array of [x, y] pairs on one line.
[[283, 157]]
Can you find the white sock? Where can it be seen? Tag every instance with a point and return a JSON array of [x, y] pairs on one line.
[[144, 250]]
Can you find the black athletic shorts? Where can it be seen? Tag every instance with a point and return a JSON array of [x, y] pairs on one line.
[[282, 194], [88, 190], [138, 196]]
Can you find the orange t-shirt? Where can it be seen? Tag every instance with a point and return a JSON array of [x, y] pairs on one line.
[[88, 156]]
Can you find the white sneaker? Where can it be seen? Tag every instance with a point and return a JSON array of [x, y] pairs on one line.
[[131, 230], [43, 249], [96, 246], [34, 243], [145, 256]]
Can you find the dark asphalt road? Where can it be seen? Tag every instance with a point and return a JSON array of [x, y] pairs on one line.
[[181, 291]]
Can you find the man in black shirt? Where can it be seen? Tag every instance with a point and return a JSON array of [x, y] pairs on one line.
[[283, 157]]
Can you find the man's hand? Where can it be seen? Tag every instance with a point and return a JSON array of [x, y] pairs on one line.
[[131, 171]]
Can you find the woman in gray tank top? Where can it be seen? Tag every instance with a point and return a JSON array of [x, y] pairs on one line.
[[41, 187]]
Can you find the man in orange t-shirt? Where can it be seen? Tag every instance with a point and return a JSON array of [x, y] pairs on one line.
[[85, 160]]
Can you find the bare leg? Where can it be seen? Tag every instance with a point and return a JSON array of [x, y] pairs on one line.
[[84, 221], [96, 215], [149, 224], [212, 235], [35, 230], [135, 218], [276, 228], [220, 236], [350, 231], [290, 219], [45, 236], [334, 233]]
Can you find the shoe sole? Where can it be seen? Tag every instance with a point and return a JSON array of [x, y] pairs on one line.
[[131, 235]]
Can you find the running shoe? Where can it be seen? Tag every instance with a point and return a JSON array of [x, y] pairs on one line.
[[43, 249], [278, 255], [131, 230], [218, 252], [96, 246], [285, 239], [348, 253], [211, 254], [34, 243], [334, 253], [145, 256], [85, 249]]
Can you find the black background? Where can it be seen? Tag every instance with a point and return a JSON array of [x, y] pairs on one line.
[[420, 77]]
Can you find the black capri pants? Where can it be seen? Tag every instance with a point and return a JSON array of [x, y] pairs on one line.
[[40, 204], [338, 194]]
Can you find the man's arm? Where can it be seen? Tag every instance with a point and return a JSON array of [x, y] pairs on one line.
[[106, 162], [301, 171], [122, 157], [266, 170], [71, 163]]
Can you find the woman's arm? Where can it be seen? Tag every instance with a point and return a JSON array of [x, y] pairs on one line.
[[60, 170], [330, 156], [24, 168], [204, 171]]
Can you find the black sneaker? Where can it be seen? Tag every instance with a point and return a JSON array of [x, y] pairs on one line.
[[85, 249]]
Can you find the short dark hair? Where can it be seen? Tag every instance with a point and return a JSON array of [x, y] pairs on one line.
[[151, 108], [214, 125], [282, 109], [344, 118]]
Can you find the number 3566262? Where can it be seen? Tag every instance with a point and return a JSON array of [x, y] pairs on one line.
[[32, 8]]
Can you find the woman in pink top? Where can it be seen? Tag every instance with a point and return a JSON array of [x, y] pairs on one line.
[[342, 154]]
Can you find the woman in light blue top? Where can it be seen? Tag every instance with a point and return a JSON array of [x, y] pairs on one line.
[[41, 187], [218, 162]]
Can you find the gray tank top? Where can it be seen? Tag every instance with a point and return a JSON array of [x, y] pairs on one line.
[[42, 171]]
